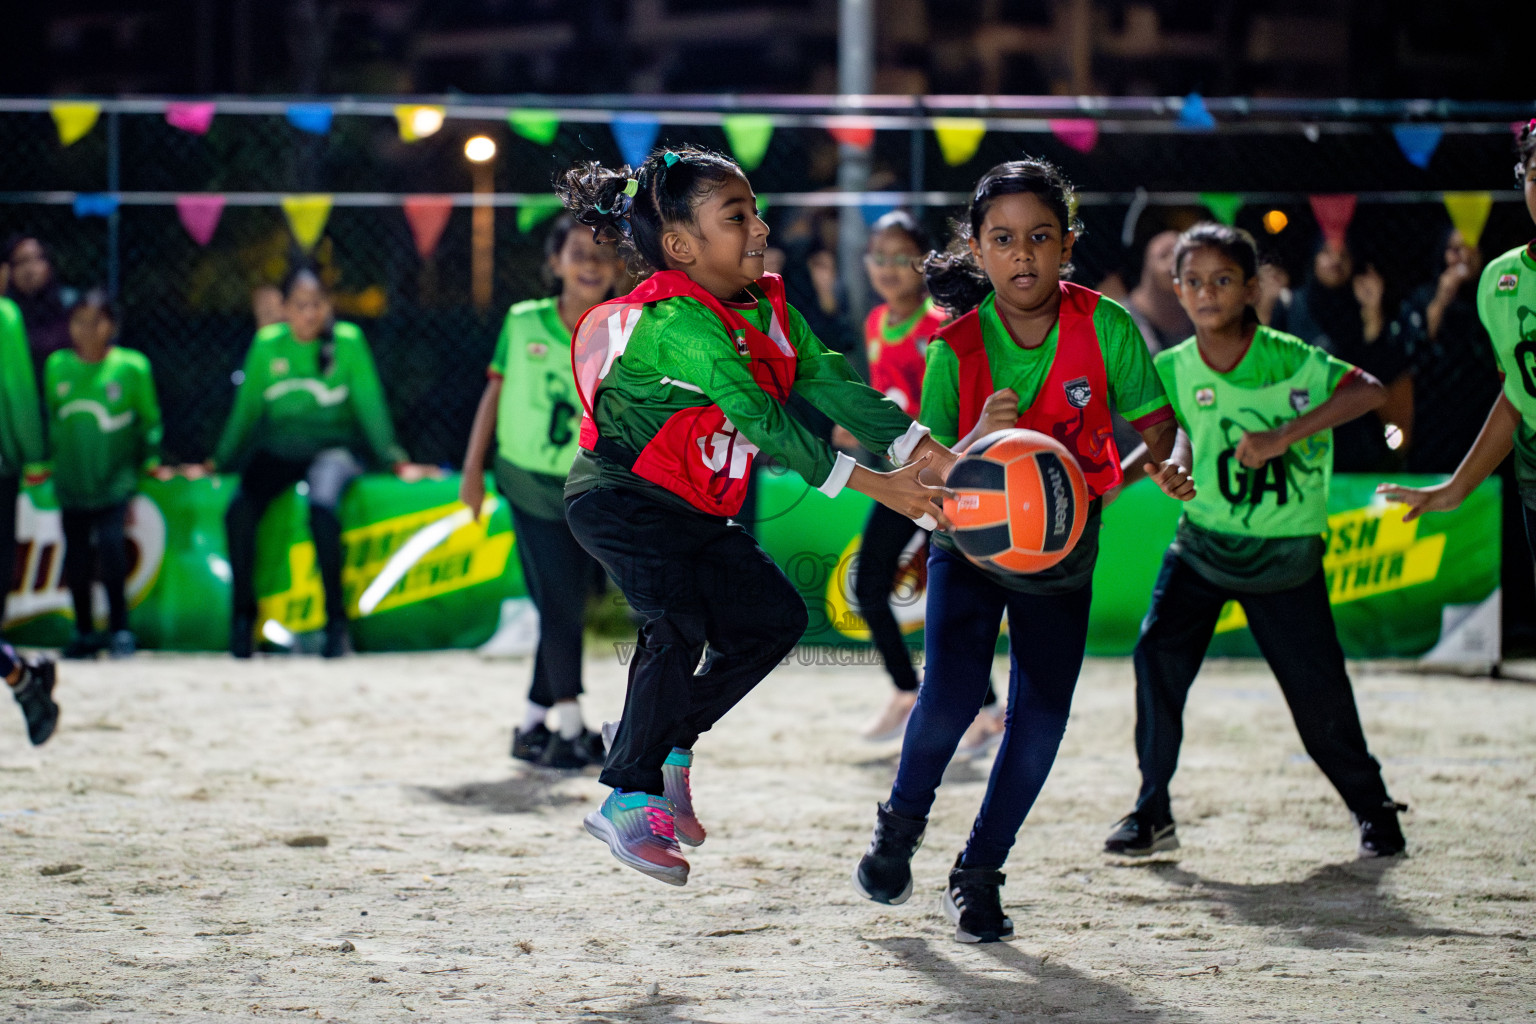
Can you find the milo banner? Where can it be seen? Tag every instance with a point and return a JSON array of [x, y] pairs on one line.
[[1396, 587], [1399, 589]]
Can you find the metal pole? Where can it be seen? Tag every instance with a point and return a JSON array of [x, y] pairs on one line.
[[919, 154], [855, 77], [114, 184]]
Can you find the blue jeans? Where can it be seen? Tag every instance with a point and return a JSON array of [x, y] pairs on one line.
[[1047, 636]]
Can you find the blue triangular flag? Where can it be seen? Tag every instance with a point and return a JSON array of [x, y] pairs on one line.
[[635, 134], [1417, 141], [314, 118], [95, 204], [1194, 114], [874, 211]]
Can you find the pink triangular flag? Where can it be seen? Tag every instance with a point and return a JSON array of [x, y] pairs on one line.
[[428, 216], [200, 215], [1080, 133], [1333, 213], [190, 117]]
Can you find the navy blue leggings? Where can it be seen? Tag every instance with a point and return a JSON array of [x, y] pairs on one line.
[[1047, 636]]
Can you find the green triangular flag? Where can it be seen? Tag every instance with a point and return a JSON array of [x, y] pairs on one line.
[[536, 211], [748, 135], [539, 126], [1223, 204]]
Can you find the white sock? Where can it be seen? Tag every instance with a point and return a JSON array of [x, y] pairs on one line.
[[568, 721], [534, 716]]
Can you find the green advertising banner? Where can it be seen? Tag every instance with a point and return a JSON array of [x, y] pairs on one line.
[[1390, 581]]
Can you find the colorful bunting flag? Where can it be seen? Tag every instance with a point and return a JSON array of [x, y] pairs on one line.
[[314, 118], [1469, 213], [74, 120], [635, 135], [536, 211], [959, 137], [749, 135], [416, 121], [1418, 142], [874, 211], [196, 118], [1224, 205], [1079, 133], [427, 216], [307, 215], [95, 204], [200, 215], [539, 126], [1194, 114], [1333, 213], [852, 131]]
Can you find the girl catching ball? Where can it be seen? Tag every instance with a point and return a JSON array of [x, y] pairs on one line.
[[683, 382], [1031, 351], [1254, 455]]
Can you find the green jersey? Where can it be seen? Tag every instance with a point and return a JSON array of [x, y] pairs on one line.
[[21, 424], [105, 424], [680, 356], [1506, 302], [539, 414], [1135, 392], [289, 407], [1253, 529]]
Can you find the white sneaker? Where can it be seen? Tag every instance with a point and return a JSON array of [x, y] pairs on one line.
[[891, 722], [984, 733]]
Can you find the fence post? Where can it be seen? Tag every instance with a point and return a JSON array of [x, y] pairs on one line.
[[855, 76], [918, 156], [114, 184]]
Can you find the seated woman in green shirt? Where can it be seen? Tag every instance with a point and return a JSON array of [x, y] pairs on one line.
[[104, 421], [309, 408]]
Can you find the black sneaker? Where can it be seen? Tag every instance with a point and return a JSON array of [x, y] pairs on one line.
[[560, 752], [242, 636], [84, 647], [884, 873], [338, 644], [974, 906], [123, 644], [529, 746], [1380, 834], [1135, 836], [35, 695]]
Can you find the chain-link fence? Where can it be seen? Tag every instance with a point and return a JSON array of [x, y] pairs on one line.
[[188, 306]]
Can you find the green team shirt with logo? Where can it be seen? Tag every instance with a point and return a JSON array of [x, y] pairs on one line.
[[1254, 530], [1135, 392], [539, 416], [680, 356], [104, 420], [21, 423], [1506, 302], [287, 408]]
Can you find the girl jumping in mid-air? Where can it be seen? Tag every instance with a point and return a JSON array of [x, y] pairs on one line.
[[1031, 351], [683, 381], [530, 405], [1256, 408], [1506, 303]]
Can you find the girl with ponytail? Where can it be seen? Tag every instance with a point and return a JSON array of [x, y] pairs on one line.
[[682, 382]]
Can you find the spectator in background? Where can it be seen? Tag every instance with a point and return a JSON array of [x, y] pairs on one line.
[[309, 408], [1274, 290], [104, 421], [267, 305], [44, 303], [1340, 311], [1450, 357], [1153, 303]]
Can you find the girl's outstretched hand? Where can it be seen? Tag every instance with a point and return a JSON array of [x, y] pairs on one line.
[[903, 491], [1173, 478], [1439, 498]]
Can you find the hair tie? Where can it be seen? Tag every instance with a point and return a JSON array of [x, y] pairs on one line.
[[621, 202], [669, 158]]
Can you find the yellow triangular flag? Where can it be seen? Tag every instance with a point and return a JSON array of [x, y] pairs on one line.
[[1469, 213], [959, 137], [417, 121], [74, 120], [307, 215]]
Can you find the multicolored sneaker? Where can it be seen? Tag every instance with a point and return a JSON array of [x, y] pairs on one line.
[[674, 773], [639, 831]]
